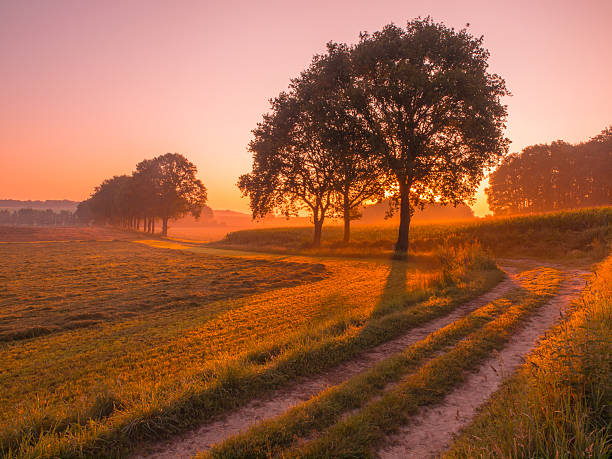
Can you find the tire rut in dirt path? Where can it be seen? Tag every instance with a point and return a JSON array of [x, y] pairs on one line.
[[432, 430], [203, 438]]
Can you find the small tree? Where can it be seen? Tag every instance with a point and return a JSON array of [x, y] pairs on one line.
[[291, 172], [435, 112], [311, 153], [327, 89], [174, 189]]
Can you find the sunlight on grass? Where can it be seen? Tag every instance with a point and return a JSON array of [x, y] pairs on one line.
[[171, 330]]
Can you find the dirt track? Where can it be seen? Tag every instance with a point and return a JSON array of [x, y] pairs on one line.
[[432, 430], [433, 427]]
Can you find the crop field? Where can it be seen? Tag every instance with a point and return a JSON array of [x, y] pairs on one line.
[[116, 345]]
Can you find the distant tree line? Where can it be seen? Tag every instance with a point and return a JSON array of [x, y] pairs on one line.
[[164, 188], [407, 113], [37, 217], [554, 176], [53, 204]]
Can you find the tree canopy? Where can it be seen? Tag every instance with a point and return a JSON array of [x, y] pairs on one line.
[[310, 152], [435, 110]]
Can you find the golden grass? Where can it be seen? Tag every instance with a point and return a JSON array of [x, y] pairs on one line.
[[275, 437], [104, 344], [57, 234], [47, 288], [161, 325]]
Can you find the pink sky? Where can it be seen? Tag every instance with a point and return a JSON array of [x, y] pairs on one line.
[[91, 88]]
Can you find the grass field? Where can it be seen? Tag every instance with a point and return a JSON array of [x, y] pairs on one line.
[[576, 234], [361, 411], [129, 341], [109, 341], [49, 288]]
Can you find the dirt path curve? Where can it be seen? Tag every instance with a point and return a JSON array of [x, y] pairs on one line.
[[201, 439], [432, 430]]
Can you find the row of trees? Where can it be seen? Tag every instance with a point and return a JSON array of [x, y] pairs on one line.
[[552, 177], [165, 187], [408, 113], [37, 217]]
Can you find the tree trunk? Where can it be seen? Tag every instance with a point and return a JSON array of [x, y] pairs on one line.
[[401, 247], [153, 225], [347, 221], [165, 226]]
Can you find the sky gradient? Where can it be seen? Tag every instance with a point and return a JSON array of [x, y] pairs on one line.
[[90, 88]]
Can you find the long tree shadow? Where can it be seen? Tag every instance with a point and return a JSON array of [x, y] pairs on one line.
[[395, 288]]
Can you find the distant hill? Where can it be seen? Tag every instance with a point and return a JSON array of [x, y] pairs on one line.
[[374, 213], [53, 204]]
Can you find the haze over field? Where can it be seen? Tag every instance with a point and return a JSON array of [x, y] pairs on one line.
[[91, 88]]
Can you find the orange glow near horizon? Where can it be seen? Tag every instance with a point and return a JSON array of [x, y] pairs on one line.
[[90, 89]]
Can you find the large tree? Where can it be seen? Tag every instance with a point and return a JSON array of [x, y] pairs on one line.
[[435, 110], [291, 172]]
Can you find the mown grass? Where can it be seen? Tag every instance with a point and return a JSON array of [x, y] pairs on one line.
[[61, 233], [273, 437], [52, 288], [98, 390], [359, 434], [583, 233], [559, 404]]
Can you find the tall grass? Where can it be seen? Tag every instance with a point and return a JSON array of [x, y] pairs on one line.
[[560, 402]]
